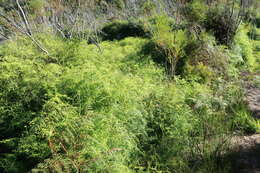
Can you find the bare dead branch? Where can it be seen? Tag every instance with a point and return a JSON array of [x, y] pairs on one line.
[[27, 26]]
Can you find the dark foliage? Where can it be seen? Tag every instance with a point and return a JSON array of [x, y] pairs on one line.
[[222, 24], [257, 22], [118, 30]]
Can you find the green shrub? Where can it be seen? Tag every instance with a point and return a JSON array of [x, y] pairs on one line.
[[196, 11], [254, 33], [257, 81], [118, 30], [22, 95], [168, 43], [205, 60], [256, 18], [222, 24], [244, 121], [243, 41], [148, 7], [82, 143], [25, 87], [199, 72], [175, 133], [258, 22]]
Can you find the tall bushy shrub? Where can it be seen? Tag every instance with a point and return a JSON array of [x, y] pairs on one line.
[[183, 128], [25, 87], [168, 41], [243, 41], [222, 23], [196, 11], [205, 60]]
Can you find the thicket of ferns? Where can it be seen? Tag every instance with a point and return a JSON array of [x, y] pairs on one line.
[[70, 106]]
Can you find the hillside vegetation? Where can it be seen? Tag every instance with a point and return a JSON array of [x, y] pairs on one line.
[[160, 91]]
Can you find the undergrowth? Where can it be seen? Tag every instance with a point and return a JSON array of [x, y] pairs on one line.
[[82, 110], [159, 95]]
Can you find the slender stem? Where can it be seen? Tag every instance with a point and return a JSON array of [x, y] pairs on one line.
[[24, 18]]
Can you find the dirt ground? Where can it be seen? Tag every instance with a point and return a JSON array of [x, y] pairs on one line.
[[247, 148]]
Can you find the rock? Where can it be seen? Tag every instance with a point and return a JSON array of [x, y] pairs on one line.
[[247, 149]]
